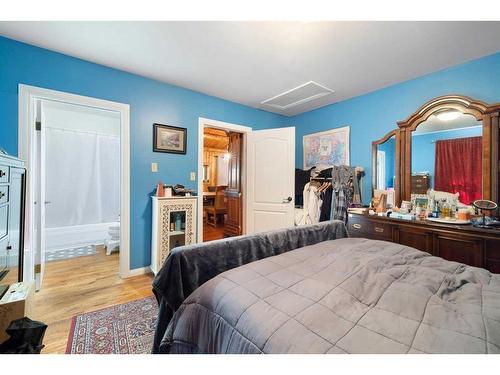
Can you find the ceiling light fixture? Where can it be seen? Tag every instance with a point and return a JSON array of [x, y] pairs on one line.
[[448, 115]]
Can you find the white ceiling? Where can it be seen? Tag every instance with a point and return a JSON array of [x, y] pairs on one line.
[[249, 62]]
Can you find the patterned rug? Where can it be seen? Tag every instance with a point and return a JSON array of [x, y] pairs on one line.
[[75, 252], [120, 329]]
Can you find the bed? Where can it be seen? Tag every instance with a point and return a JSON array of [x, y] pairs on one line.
[[313, 290]]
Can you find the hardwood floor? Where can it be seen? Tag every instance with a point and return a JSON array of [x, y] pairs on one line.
[[79, 285], [210, 233]]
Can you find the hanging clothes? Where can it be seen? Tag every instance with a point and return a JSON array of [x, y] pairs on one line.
[[345, 191], [312, 203], [302, 177], [326, 207]]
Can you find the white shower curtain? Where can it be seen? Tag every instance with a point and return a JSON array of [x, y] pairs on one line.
[[82, 178]]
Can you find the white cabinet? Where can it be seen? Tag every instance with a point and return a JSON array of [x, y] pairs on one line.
[[173, 224]]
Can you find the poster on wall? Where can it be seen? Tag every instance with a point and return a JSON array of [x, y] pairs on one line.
[[326, 149]]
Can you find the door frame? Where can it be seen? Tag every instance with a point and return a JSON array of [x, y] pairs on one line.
[[26, 136], [244, 130]]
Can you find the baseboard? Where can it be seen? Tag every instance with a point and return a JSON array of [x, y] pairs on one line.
[[137, 272]]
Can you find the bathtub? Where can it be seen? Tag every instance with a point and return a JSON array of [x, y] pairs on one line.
[[76, 236]]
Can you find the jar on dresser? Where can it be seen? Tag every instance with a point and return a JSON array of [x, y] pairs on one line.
[[173, 225]]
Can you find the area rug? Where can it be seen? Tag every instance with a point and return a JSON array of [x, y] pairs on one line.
[[51, 256], [120, 329]]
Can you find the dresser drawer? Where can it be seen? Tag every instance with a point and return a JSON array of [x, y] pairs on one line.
[[492, 249], [4, 173], [493, 265], [382, 230], [419, 178], [457, 248], [4, 194], [357, 227], [369, 229], [4, 214]]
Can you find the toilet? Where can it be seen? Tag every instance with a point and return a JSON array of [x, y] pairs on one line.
[[113, 242]]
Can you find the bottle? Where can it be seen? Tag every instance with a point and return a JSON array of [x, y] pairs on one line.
[[445, 212], [437, 211], [160, 191]]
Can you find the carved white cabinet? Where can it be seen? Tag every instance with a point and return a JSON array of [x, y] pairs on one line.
[[173, 224]]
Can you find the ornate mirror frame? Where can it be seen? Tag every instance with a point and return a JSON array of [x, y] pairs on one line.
[[397, 166], [488, 114]]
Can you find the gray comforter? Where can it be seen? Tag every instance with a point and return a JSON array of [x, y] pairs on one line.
[[188, 267], [342, 296]]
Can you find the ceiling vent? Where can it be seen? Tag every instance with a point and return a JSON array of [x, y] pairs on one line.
[[298, 95]]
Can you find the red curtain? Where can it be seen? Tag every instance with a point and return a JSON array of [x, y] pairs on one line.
[[458, 168]]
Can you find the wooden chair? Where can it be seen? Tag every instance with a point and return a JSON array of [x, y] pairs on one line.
[[219, 209]]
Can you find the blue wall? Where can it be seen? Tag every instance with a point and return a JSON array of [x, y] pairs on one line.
[[424, 148], [373, 115], [370, 116], [150, 101]]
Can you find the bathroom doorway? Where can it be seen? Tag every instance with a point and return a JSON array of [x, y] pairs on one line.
[[76, 191]]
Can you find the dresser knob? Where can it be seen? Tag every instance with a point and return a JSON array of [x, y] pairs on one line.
[[380, 230], [2, 194], [2, 173], [357, 226]]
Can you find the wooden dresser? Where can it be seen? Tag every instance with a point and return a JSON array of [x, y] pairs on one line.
[[460, 243], [420, 184]]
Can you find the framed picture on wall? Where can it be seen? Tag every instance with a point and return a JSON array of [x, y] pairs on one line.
[[171, 139], [326, 149]]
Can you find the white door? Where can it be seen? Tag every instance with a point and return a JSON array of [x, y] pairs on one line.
[[270, 179], [40, 202]]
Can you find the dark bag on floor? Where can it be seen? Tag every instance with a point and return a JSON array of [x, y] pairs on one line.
[[26, 337]]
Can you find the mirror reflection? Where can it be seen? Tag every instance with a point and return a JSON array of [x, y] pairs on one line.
[[447, 156], [386, 164]]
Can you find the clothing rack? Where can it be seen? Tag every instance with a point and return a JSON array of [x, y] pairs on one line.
[[320, 179], [359, 174]]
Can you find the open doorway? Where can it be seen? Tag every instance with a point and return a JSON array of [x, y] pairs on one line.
[[216, 158], [76, 150], [222, 174], [81, 175]]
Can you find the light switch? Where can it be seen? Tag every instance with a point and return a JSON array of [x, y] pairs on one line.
[[154, 167], [193, 176]]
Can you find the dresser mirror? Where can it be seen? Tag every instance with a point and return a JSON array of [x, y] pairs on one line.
[[385, 164], [450, 145], [446, 156]]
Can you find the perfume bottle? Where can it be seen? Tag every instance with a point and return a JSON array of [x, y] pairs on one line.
[[435, 211], [446, 210]]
